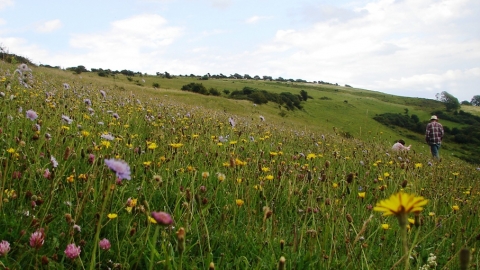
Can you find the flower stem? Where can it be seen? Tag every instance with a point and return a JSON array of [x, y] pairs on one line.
[[154, 243], [402, 219], [99, 228]]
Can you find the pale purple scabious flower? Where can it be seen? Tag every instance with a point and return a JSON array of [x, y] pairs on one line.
[[37, 239], [162, 218], [104, 95], [262, 118], [4, 248], [231, 121], [77, 228], [120, 167], [24, 68], [115, 115], [91, 111], [104, 244], [223, 139], [108, 137], [66, 86], [67, 119], [72, 251], [54, 161], [87, 102], [48, 136], [38, 127], [32, 115]]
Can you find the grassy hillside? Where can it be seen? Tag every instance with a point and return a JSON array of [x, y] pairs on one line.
[[102, 173], [332, 109]]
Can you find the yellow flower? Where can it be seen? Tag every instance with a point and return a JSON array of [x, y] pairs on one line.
[[386, 174], [176, 145], [269, 177], [205, 175], [129, 209], [411, 221], [65, 128], [431, 214], [147, 163], [272, 154], [400, 204], [239, 180], [385, 226], [418, 165], [106, 144], [335, 185], [71, 178], [311, 156], [265, 169], [152, 146], [82, 176], [239, 202], [221, 177], [152, 220], [112, 216], [219, 144], [11, 150], [455, 207], [362, 194], [85, 133], [233, 142], [456, 173]]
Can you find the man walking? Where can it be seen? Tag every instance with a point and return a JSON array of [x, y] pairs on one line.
[[434, 135]]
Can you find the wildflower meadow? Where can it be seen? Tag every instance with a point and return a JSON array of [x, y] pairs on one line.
[[93, 177]]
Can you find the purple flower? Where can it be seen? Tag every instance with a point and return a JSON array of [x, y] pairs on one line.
[[231, 121], [77, 228], [72, 251], [162, 218], [120, 167], [53, 161], [104, 244], [104, 95], [115, 115], [4, 248], [32, 115], [108, 137], [67, 119], [37, 239], [66, 86]]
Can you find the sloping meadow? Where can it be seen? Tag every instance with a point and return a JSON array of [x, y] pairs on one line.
[[95, 178]]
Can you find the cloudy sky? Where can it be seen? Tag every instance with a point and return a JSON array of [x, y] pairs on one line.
[[411, 48]]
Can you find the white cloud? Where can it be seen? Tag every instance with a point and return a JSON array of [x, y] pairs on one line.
[[412, 44], [255, 19], [5, 3], [222, 4], [133, 43], [48, 26]]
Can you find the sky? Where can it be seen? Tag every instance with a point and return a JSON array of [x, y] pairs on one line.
[[413, 48]]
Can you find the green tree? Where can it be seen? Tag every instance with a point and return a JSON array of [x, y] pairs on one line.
[[451, 102], [475, 100]]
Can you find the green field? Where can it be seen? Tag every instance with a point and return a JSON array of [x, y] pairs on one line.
[[296, 191]]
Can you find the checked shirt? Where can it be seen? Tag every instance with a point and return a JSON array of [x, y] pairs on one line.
[[434, 133]]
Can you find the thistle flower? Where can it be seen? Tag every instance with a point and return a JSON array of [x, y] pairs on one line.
[[72, 251], [120, 167]]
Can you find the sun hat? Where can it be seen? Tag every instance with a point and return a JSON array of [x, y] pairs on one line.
[[434, 117]]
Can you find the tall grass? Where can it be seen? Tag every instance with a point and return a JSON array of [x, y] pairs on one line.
[[245, 195]]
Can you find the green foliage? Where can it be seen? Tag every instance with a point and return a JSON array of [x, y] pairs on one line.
[[451, 102], [156, 85], [195, 88], [475, 100]]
